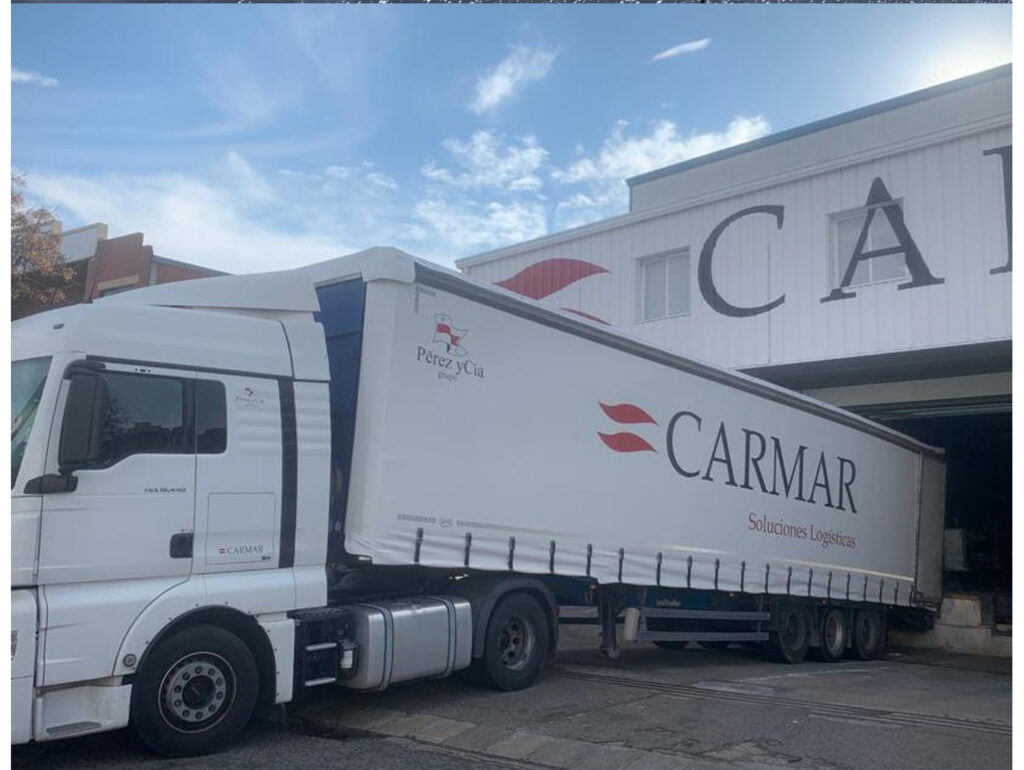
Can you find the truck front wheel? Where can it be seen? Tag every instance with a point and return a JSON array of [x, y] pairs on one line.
[[515, 644], [195, 692]]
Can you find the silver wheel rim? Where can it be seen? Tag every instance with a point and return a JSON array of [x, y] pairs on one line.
[[867, 632], [515, 644], [197, 692], [792, 631], [834, 633]]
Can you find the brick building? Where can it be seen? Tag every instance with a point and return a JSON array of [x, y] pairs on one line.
[[105, 266]]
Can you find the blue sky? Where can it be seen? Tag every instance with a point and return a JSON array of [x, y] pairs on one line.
[[264, 136]]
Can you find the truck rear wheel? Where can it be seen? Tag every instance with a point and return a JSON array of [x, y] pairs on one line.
[[790, 641], [674, 646], [835, 635], [717, 644], [195, 692], [515, 644], [868, 638]]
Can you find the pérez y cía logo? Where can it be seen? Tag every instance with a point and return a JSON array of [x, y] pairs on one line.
[[448, 353], [248, 397]]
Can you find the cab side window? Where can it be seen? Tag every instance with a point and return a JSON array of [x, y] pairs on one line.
[[144, 414], [147, 414], [211, 417]]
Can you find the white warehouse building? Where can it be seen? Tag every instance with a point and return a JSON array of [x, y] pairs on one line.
[[864, 259]]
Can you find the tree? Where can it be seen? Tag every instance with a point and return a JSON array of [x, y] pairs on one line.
[[39, 275]]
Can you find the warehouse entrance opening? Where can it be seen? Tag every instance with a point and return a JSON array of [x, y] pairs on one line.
[[978, 443]]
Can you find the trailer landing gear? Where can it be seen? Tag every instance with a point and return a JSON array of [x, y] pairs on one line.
[[609, 605]]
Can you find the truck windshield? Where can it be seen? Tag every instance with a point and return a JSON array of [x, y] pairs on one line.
[[27, 380]]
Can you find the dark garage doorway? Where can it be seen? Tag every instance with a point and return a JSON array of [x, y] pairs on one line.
[[979, 483]]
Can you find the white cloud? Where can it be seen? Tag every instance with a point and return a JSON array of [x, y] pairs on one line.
[[678, 50], [289, 173], [487, 195], [242, 214], [247, 93], [382, 180], [248, 181], [233, 216], [486, 160], [623, 156], [524, 65], [582, 208], [339, 172], [468, 225], [352, 178], [32, 78], [189, 218]]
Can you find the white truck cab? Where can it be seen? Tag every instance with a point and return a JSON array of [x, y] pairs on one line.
[[128, 518]]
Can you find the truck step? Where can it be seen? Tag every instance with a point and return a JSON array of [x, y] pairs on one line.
[[321, 646], [320, 681]]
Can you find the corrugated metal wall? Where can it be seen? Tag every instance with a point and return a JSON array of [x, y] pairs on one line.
[[953, 203]]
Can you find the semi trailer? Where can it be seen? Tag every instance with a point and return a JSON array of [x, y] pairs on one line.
[[227, 492]]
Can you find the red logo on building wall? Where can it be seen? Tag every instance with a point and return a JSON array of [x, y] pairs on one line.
[[544, 278]]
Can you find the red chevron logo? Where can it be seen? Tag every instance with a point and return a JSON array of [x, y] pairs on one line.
[[544, 278], [627, 414]]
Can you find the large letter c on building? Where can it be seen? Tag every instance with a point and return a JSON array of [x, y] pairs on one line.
[[707, 283]]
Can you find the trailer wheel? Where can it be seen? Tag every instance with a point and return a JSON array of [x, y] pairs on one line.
[[835, 634], [789, 643], [195, 692], [868, 638], [675, 646], [717, 644], [515, 644]]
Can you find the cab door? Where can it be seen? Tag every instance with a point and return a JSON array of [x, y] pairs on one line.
[[121, 534]]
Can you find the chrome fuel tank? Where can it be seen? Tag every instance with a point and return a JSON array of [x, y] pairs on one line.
[[402, 639]]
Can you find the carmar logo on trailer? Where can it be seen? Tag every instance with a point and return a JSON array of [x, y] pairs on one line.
[[628, 414], [766, 464]]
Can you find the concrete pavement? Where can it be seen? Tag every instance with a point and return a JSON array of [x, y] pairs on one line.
[[689, 710]]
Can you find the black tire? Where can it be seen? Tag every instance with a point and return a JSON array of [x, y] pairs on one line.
[[715, 645], [216, 676], [674, 646], [790, 641], [515, 644], [867, 637], [834, 632]]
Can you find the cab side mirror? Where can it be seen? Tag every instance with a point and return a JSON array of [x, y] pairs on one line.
[[82, 428]]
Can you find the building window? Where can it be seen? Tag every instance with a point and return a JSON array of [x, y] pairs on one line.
[[664, 284], [116, 290], [846, 229]]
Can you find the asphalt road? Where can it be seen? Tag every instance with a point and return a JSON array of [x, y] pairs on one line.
[[695, 709], [264, 746]]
